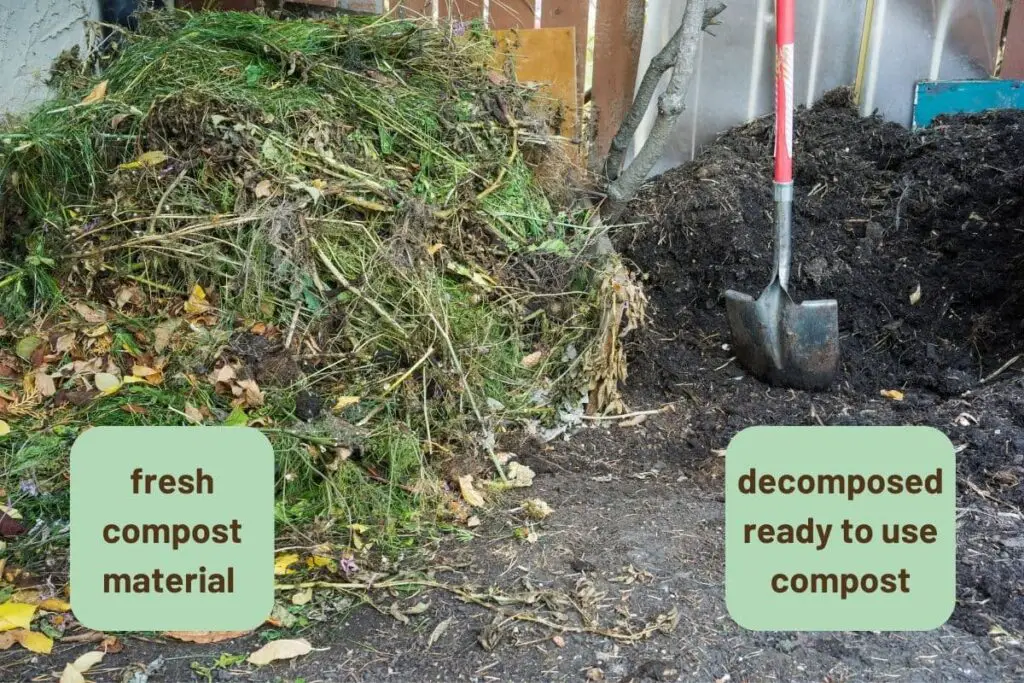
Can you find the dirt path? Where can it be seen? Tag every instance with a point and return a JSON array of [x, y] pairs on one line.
[[622, 498]]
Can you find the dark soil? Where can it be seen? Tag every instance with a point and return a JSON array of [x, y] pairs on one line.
[[880, 211]]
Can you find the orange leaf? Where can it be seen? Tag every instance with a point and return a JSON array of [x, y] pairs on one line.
[[97, 94]]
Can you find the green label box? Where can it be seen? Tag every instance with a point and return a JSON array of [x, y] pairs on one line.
[[172, 528], [840, 528]]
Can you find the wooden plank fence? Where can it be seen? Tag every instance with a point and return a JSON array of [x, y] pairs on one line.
[[617, 40]]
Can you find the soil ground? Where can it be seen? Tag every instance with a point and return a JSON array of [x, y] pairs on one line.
[[637, 528]]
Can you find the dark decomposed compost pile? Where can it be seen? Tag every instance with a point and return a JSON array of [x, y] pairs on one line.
[[920, 237]]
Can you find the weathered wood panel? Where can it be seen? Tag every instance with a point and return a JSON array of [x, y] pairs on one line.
[[414, 8], [546, 55], [559, 13], [460, 9], [511, 14], [618, 35]]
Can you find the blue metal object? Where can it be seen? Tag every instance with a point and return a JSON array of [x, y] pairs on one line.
[[934, 98]]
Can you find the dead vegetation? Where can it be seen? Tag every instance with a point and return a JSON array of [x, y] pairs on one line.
[[347, 232]]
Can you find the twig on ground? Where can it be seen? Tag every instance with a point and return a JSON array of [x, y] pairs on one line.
[[486, 600], [625, 416], [1002, 368]]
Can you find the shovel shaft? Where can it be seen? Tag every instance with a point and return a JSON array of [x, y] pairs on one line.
[[783, 225], [784, 35], [784, 32]]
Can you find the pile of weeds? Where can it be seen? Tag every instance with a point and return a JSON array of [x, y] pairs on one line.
[[333, 230]]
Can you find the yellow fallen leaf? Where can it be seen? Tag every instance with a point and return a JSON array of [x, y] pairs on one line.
[[319, 561], [144, 160], [470, 494], [98, 331], [106, 383], [434, 248], [143, 371], [71, 675], [155, 379], [34, 641], [894, 394], [5, 428], [302, 597], [197, 302], [9, 511], [280, 649], [97, 94], [357, 531], [283, 562], [55, 605], [344, 402], [15, 615], [88, 661]]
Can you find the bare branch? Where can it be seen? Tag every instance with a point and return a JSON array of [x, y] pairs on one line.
[[670, 106], [661, 63]]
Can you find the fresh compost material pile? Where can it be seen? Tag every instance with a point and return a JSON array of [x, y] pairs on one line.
[[919, 235], [352, 232]]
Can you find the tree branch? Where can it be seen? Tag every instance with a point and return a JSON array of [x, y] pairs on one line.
[[670, 105], [661, 63]]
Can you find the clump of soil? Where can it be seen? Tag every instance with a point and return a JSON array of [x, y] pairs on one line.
[[919, 235]]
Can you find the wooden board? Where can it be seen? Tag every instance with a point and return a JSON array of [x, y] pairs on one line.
[[511, 14], [463, 10], [545, 55], [561, 13], [619, 32], [413, 8]]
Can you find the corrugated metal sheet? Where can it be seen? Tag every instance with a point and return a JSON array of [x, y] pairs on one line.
[[734, 80]]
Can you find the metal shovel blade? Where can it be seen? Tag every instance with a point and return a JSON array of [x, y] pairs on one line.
[[782, 342]]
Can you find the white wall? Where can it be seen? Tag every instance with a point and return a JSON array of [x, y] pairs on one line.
[[32, 34], [732, 84]]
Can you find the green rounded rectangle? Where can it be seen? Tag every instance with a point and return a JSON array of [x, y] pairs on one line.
[[840, 528], [172, 528]]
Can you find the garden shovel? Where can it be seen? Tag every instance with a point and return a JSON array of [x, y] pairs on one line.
[[774, 338]]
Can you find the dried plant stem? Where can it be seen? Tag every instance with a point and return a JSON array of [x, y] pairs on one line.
[[343, 281]]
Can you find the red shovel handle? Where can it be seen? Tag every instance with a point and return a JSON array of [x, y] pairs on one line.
[[784, 11]]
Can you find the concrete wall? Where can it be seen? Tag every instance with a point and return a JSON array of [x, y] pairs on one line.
[[32, 34], [734, 80]]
